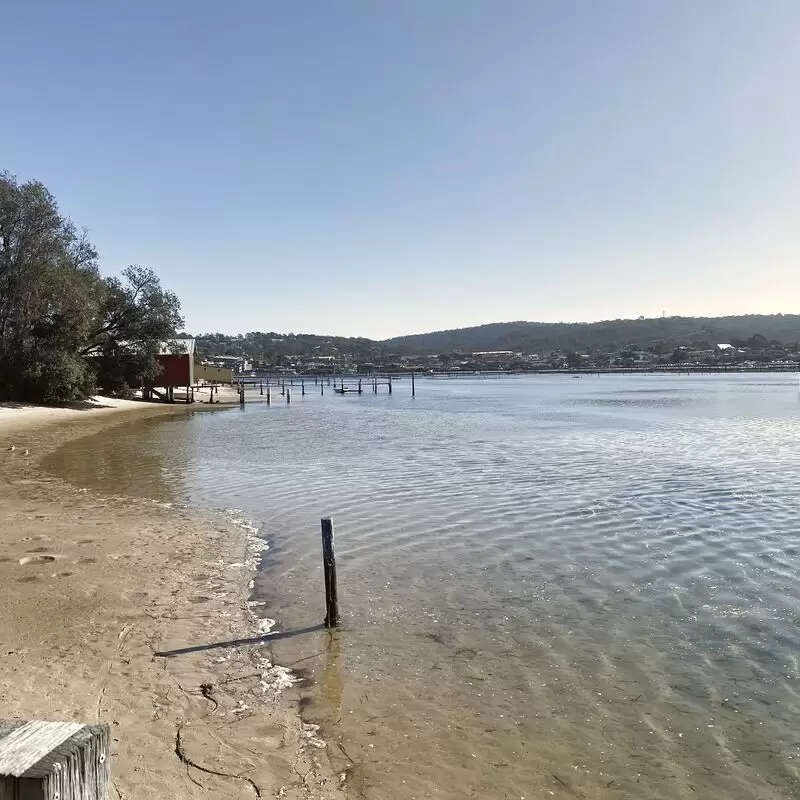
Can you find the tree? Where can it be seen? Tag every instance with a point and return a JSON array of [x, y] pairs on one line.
[[48, 282], [61, 323], [135, 315], [678, 355]]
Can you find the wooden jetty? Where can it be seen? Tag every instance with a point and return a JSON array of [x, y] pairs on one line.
[[341, 384], [54, 761]]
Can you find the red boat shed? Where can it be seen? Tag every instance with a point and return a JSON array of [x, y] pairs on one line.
[[176, 357]]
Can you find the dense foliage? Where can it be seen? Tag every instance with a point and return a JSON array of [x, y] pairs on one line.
[[274, 348], [65, 329]]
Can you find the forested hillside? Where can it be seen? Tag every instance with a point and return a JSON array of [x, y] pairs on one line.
[[531, 337], [524, 337]]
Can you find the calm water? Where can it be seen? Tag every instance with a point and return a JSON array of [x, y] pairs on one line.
[[551, 587]]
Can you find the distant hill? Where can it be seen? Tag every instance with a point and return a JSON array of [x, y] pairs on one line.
[[525, 337], [533, 337]]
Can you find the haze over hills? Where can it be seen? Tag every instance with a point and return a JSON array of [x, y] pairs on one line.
[[525, 337]]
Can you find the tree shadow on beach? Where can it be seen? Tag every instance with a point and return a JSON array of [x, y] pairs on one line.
[[265, 639], [78, 405]]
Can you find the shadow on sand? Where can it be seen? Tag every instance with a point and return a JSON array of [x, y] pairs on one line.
[[267, 637]]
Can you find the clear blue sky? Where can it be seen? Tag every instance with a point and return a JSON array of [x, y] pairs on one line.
[[380, 167]]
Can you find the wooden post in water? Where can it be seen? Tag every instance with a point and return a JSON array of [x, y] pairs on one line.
[[359, 385], [375, 384], [390, 384], [322, 387], [262, 387], [302, 388], [269, 397], [413, 388], [241, 395], [283, 388], [329, 568], [288, 395]]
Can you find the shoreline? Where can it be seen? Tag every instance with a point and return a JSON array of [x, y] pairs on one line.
[[94, 587]]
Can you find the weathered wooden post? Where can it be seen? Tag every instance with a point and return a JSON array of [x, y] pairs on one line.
[[413, 388], [262, 387], [322, 387], [288, 396], [269, 396], [283, 388], [329, 568], [241, 396], [54, 761], [375, 384], [390, 384], [302, 388], [359, 385]]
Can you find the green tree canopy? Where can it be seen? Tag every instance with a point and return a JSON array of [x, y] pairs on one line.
[[62, 325]]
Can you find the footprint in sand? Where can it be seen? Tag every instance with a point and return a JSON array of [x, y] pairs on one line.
[[36, 560], [29, 579]]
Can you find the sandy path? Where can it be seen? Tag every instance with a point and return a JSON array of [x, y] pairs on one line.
[[92, 587]]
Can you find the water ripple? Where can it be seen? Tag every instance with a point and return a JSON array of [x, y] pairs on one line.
[[595, 580]]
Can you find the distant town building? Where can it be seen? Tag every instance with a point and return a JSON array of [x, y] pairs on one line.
[[494, 355]]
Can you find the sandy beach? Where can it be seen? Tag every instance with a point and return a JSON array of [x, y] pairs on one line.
[[94, 587]]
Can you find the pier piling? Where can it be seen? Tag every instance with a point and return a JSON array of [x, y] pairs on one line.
[[288, 395], [329, 568]]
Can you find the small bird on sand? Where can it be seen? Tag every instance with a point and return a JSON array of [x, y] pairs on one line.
[[12, 448], [26, 452]]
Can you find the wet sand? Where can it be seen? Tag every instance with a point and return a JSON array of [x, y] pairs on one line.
[[93, 587]]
